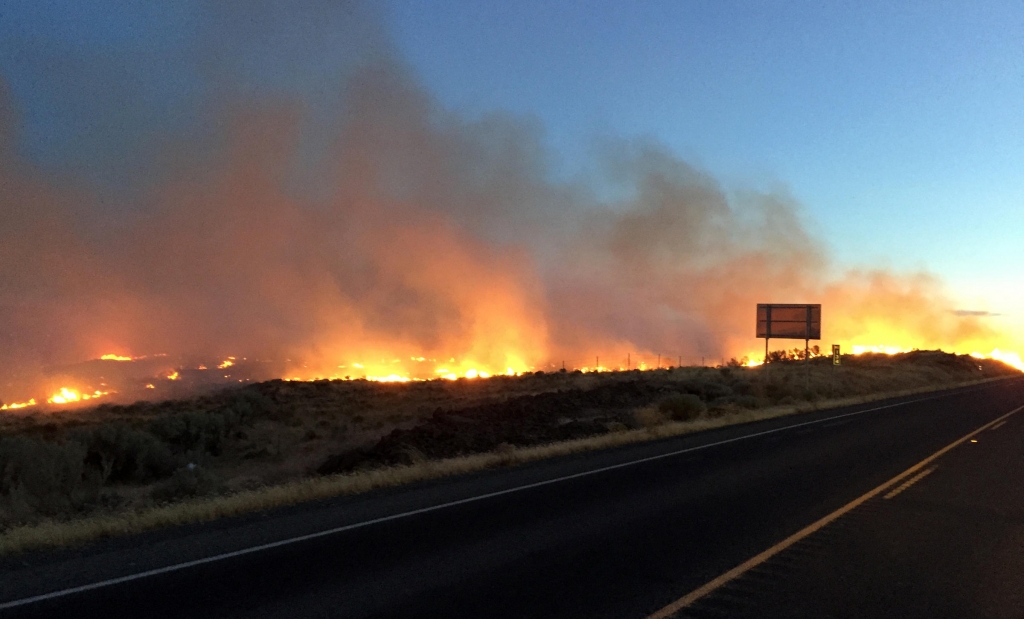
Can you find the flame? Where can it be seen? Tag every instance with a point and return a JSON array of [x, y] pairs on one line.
[[858, 349], [390, 378], [17, 405], [1011, 359], [65, 396], [230, 361], [69, 396], [173, 375], [112, 357]]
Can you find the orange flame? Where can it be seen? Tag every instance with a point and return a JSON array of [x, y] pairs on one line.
[[70, 396]]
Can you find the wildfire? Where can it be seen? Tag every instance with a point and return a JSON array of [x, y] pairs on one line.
[[173, 375], [69, 396], [1009, 358], [884, 350], [390, 378], [230, 361], [116, 358], [17, 405]]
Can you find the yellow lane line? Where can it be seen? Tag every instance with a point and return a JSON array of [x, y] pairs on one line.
[[753, 562], [910, 482]]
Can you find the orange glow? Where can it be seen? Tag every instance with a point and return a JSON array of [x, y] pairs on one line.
[[69, 396], [885, 350], [173, 375], [116, 358], [1011, 359], [226, 364], [17, 405], [390, 378]]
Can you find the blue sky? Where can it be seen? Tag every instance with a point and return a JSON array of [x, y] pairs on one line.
[[899, 126]]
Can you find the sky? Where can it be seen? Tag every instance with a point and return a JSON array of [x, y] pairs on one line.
[[898, 126]]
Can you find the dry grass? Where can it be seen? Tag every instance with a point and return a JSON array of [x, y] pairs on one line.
[[51, 534]]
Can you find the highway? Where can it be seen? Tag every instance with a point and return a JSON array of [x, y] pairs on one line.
[[911, 507]]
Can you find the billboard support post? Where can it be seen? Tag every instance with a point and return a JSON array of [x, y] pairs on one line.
[[789, 321]]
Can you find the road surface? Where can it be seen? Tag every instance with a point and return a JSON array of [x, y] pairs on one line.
[[911, 508]]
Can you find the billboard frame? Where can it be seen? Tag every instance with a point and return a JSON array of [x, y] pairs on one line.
[[790, 321]]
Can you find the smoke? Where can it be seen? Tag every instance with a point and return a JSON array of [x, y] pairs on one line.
[[360, 222]]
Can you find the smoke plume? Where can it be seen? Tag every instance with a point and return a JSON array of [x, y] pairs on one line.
[[370, 226]]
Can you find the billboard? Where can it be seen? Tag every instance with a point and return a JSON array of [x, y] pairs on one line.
[[789, 321]]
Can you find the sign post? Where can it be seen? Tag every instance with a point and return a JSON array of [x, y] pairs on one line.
[[835, 362], [789, 321]]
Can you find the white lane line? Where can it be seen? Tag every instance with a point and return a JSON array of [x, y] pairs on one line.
[[302, 538], [749, 564], [910, 482]]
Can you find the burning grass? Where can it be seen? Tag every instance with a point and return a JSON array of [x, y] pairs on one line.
[[109, 470]]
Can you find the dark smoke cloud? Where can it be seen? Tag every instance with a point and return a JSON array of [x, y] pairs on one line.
[[424, 234]]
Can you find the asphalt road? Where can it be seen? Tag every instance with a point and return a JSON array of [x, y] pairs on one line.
[[619, 533]]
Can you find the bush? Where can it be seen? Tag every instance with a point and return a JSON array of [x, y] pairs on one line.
[[119, 453], [188, 481], [39, 477], [682, 406], [649, 417], [707, 390], [779, 391], [747, 401], [247, 405], [744, 387], [200, 431]]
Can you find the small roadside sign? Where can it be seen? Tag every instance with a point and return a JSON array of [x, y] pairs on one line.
[[835, 354]]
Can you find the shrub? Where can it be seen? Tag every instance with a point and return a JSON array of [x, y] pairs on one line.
[[194, 431], [779, 391], [744, 387], [39, 476], [747, 401], [188, 481], [119, 453], [649, 416], [247, 404], [682, 406]]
